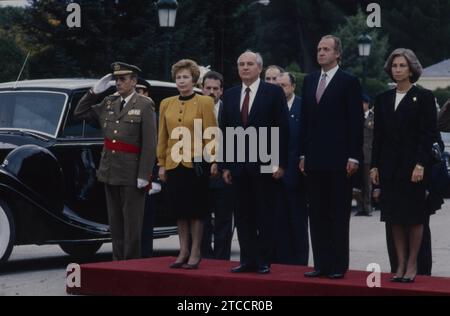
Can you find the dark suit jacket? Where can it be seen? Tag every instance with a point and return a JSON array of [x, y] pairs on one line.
[[403, 137], [292, 175], [269, 109], [218, 183], [331, 132]]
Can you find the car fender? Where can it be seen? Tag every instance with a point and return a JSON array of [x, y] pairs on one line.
[[34, 171]]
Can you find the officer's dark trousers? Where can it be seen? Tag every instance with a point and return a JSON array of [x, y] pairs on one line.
[[291, 227], [364, 198], [254, 217], [126, 212], [424, 259], [330, 195], [221, 201], [147, 227]]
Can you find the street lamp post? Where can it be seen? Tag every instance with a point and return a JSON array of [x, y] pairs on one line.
[[167, 12], [364, 47]]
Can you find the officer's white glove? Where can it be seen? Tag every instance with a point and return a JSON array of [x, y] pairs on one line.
[[141, 183], [103, 84]]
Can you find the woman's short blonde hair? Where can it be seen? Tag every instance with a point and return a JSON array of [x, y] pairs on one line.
[[189, 65], [413, 62]]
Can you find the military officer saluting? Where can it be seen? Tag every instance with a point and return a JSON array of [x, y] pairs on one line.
[[129, 127]]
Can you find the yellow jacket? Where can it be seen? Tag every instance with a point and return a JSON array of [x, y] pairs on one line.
[[177, 117]]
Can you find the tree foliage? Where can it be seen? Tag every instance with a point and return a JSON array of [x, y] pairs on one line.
[[215, 32], [349, 33]]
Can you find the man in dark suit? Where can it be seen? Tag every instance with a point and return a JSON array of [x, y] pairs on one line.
[[331, 138], [221, 196], [257, 107], [291, 218]]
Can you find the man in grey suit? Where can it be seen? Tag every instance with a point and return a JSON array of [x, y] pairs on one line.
[[129, 127]]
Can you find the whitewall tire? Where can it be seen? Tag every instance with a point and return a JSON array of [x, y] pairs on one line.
[[7, 232]]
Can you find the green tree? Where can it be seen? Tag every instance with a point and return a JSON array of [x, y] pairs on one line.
[[421, 25], [348, 32], [12, 47], [13, 57], [442, 95]]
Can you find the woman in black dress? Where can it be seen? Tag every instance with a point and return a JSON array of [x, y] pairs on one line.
[[405, 125]]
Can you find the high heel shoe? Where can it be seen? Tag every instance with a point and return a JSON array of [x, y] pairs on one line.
[[408, 279], [396, 279], [194, 266], [179, 265]]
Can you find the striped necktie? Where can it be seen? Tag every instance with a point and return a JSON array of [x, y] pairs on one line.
[[321, 87]]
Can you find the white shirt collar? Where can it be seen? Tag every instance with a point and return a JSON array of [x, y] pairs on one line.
[[216, 109], [291, 101], [127, 99], [330, 73], [253, 87]]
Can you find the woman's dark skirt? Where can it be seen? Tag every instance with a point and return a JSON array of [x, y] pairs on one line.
[[187, 194], [403, 202]]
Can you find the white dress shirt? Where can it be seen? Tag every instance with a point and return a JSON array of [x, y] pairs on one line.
[[291, 101], [398, 98], [216, 110], [253, 89], [330, 75]]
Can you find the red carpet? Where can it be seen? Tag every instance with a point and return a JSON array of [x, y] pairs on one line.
[[152, 277]]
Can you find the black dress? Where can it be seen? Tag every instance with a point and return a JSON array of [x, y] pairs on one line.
[[402, 139]]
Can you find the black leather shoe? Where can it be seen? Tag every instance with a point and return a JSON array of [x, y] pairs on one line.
[[244, 268], [363, 213], [313, 274], [263, 269], [335, 276]]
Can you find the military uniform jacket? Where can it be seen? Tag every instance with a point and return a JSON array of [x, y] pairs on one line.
[[134, 125], [368, 137]]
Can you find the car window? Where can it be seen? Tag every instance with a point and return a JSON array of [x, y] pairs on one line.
[[159, 93], [31, 110], [79, 128], [445, 137], [73, 127]]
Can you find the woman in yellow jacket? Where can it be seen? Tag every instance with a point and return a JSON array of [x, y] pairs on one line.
[[187, 188]]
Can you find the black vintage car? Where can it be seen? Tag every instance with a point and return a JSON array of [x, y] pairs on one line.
[[48, 188]]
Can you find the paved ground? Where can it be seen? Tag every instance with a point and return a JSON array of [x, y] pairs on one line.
[[34, 270]]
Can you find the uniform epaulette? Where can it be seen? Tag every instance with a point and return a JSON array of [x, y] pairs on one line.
[[114, 96]]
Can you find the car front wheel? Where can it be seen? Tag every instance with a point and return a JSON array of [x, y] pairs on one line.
[[7, 232], [81, 250]]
